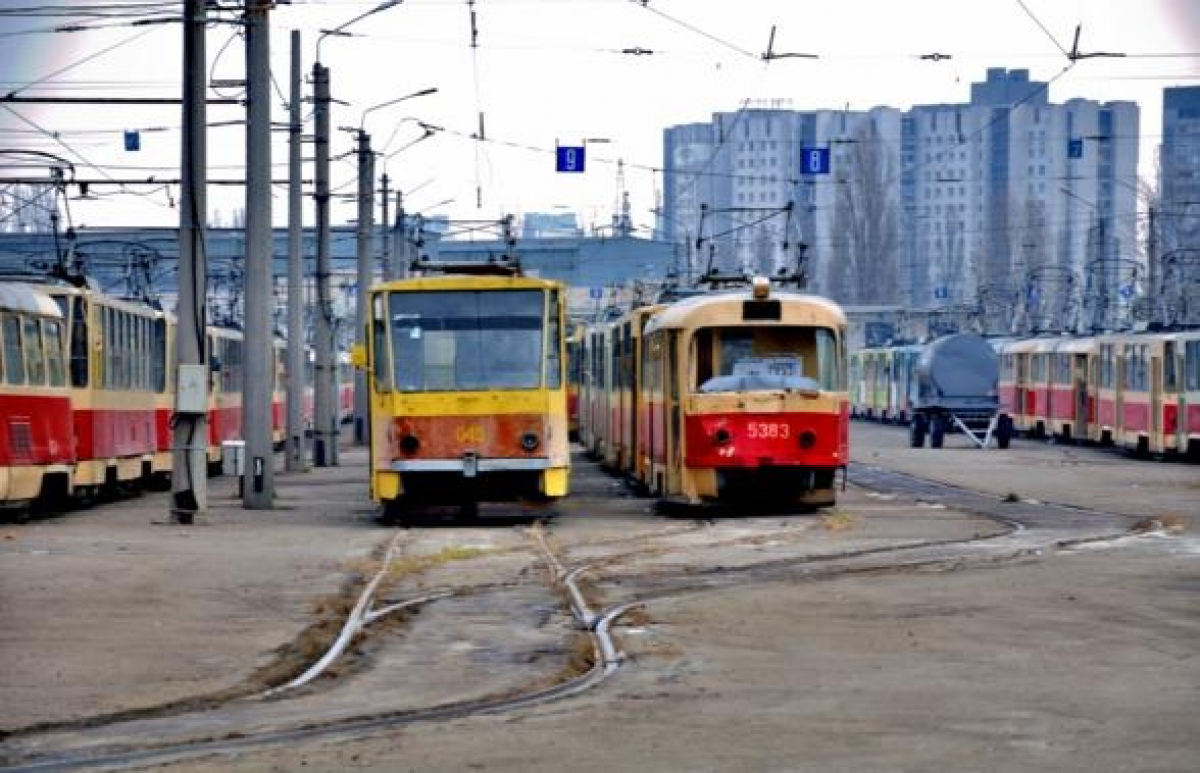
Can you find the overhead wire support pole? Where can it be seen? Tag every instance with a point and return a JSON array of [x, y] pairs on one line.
[[258, 361], [324, 429], [385, 232], [296, 372], [189, 439], [325, 432], [366, 231]]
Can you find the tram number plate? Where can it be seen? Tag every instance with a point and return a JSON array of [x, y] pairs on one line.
[[469, 433], [768, 430], [767, 366]]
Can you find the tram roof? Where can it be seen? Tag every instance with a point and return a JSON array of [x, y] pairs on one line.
[[19, 296], [725, 308], [442, 282]]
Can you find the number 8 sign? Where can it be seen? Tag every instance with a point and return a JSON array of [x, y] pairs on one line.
[[814, 160]]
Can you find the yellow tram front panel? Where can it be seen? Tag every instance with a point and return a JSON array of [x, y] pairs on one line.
[[469, 434], [468, 394]]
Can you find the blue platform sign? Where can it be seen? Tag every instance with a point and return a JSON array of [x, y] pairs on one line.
[[941, 292], [570, 158], [814, 160], [1074, 148], [133, 140]]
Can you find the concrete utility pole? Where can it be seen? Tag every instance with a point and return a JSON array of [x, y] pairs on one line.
[[189, 441], [295, 300], [366, 232], [400, 261], [385, 232], [324, 421], [259, 358]]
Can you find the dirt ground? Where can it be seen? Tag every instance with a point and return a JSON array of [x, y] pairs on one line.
[[1081, 660]]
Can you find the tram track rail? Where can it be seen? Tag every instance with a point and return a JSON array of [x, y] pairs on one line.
[[1049, 522]]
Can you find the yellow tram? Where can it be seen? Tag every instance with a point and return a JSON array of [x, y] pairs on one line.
[[467, 389]]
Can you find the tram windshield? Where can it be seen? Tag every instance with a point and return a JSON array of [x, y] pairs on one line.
[[466, 340], [767, 358]]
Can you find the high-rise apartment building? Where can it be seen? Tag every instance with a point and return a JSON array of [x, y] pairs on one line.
[[1178, 215], [1007, 200]]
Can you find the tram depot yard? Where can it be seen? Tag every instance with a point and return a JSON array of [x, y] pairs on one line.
[[899, 630]]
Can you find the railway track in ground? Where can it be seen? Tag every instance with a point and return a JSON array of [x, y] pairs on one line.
[[541, 575]]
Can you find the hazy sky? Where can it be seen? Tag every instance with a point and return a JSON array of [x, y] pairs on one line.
[[547, 72]]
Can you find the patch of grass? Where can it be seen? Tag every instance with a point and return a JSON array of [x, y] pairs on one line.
[[1169, 524], [838, 520], [638, 616], [410, 565]]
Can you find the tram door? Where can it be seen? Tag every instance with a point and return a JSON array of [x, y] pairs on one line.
[[673, 417], [1079, 375], [1157, 441]]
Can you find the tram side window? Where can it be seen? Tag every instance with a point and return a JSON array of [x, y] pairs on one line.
[[52, 335], [233, 374], [14, 371], [142, 355], [554, 344], [1169, 376], [1039, 368], [1191, 365], [111, 349], [651, 368], [1135, 368], [35, 361], [379, 349], [158, 356], [830, 356], [614, 357], [79, 343], [703, 347], [1062, 369]]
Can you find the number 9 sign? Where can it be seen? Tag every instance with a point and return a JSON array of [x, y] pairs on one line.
[[570, 158]]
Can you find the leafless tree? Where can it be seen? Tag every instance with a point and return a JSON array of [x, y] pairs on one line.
[[864, 267]]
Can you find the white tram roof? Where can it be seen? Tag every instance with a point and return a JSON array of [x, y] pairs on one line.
[[19, 296], [725, 308], [467, 282]]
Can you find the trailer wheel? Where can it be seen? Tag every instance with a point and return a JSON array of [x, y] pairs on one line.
[[937, 431], [1004, 430], [916, 431]]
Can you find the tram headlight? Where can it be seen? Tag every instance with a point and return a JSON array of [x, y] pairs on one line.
[[722, 437], [808, 439], [530, 442], [409, 444]]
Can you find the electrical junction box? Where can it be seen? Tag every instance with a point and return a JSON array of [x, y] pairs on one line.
[[191, 396]]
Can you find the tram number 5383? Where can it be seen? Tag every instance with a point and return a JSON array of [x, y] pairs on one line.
[[768, 430]]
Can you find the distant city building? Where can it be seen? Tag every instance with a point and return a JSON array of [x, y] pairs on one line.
[[27, 208], [542, 225], [1178, 216], [142, 263], [1003, 199]]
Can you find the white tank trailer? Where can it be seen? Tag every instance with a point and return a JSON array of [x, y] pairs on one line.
[[957, 379]]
